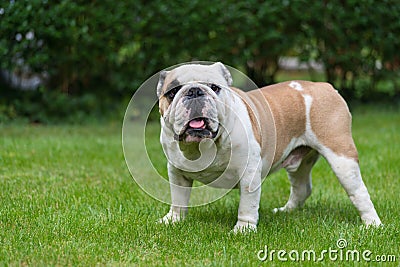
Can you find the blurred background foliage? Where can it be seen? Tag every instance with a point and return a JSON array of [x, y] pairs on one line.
[[79, 59]]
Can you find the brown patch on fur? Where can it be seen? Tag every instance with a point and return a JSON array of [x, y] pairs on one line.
[[330, 119], [163, 102], [288, 114]]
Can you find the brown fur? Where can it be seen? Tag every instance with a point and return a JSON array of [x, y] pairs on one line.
[[163, 101], [329, 116], [331, 120]]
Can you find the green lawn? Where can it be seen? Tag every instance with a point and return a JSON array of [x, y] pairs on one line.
[[67, 198]]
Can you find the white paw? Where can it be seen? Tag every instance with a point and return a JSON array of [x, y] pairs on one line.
[[244, 227], [281, 209], [372, 222], [170, 218]]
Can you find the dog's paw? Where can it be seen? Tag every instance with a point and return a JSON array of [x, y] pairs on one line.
[[372, 221], [170, 218], [244, 227], [282, 209], [290, 206]]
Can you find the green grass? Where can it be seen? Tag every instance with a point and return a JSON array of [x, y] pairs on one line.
[[67, 198]]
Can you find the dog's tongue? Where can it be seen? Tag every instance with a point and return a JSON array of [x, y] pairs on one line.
[[197, 124]]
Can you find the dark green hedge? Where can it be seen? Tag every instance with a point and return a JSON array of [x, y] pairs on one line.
[[106, 49]]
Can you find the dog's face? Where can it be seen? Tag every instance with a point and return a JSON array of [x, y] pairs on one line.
[[192, 100]]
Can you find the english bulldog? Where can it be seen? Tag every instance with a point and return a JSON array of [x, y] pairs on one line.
[[286, 125]]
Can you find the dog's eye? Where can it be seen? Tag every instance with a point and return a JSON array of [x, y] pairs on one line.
[[215, 88], [171, 93]]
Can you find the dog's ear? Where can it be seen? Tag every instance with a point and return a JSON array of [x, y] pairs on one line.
[[225, 72], [161, 80]]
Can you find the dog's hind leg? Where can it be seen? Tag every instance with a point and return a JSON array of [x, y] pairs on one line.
[[328, 130], [348, 173], [298, 166]]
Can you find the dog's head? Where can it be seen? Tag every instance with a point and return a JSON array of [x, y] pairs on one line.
[[192, 100]]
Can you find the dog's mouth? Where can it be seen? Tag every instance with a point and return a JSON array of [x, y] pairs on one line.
[[197, 130]]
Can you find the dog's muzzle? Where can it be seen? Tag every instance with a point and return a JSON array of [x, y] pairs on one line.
[[196, 130], [200, 123]]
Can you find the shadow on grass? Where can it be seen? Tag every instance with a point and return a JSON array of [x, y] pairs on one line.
[[223, 214]]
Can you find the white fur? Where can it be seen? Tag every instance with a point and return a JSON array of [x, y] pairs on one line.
[[348, 173], [308, 102], [295, 85]]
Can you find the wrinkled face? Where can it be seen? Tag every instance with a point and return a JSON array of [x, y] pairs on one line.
[[191, 100]]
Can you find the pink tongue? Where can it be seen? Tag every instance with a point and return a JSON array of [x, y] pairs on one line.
[[197, 123]]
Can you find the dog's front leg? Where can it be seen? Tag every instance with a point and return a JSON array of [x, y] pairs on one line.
[[180, 195], [250, 192]]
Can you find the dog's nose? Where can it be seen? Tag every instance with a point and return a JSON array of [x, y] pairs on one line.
[[194, 92]]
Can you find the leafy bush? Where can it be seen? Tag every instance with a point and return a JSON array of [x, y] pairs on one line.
[[49, 106], [106, 49], [356, 41]]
